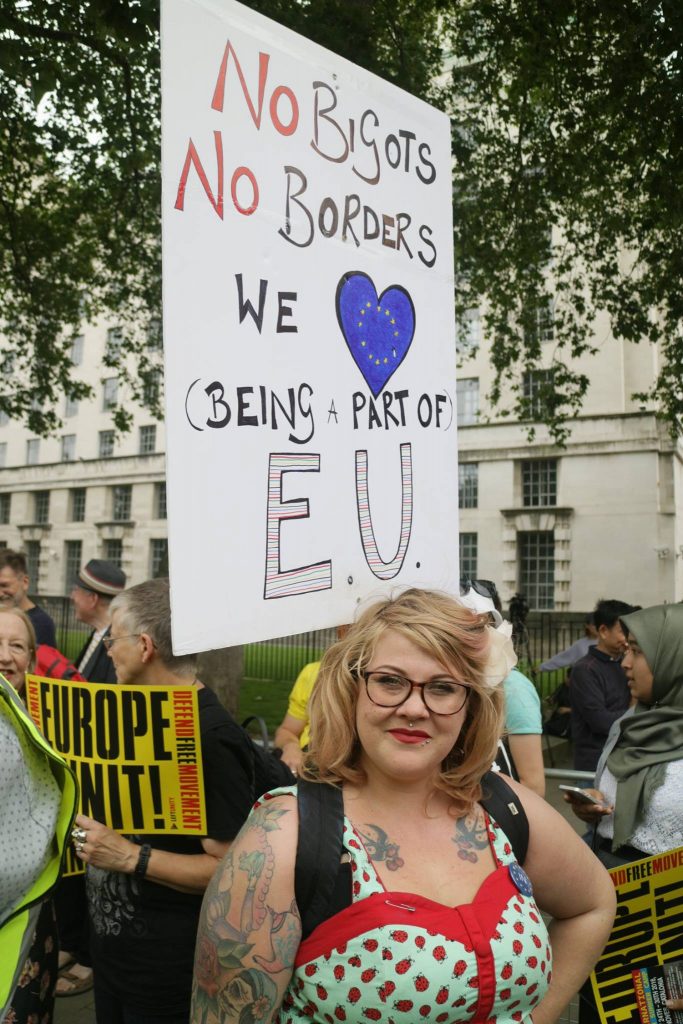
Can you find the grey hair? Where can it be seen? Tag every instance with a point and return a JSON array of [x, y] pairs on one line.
[[146, 608]]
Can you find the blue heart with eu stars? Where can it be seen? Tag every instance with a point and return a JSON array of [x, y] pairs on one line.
[[377, 329]]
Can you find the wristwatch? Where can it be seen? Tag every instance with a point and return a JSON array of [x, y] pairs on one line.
[[143, 860]]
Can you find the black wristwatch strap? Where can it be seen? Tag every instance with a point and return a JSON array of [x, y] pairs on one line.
[[143, 860]]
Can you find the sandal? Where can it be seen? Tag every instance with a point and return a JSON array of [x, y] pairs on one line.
[[78, 985]]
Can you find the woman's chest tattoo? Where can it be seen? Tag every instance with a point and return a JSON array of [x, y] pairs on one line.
[[471, 836], [380, 847]]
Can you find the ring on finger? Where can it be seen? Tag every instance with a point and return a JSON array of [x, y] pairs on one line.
[[79, 834], [79, 847]]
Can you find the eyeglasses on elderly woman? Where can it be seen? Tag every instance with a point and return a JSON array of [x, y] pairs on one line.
[[390, 690]]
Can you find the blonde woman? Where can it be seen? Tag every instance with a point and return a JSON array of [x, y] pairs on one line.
[[432, 918]]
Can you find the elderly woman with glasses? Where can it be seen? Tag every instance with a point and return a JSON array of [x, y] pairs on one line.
[[431, 918]]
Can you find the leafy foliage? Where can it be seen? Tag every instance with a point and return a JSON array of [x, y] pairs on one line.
[[80, 174], [565, 115], [79, 192], [569, 115]]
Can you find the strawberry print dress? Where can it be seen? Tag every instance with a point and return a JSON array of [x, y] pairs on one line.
[[400, 958]]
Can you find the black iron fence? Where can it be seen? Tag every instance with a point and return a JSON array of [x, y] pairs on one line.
[[71, 634], [545, 634]]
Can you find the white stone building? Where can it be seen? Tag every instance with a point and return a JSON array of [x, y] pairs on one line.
[[603, 517], [86, 493]]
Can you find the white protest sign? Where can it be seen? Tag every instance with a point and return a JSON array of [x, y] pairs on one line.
[[308, 331]]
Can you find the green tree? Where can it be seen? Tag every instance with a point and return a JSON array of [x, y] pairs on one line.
[[570, 115], [80, 173], [79, 192], [565, 115]]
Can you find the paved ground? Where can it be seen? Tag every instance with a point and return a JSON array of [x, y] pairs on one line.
[[81, 1009]]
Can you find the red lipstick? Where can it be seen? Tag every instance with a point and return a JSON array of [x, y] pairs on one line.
[[409, 735]]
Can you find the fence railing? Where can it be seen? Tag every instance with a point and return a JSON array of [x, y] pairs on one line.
[[546, 633]]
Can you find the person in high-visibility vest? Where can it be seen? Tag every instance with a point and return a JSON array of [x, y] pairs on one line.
[[38, 796]]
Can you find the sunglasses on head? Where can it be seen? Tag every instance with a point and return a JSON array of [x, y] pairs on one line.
[[485, 588]]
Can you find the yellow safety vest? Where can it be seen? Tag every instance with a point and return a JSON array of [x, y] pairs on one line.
[[16, 931]]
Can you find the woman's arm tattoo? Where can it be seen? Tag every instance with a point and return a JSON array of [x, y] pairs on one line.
[[245, 947]]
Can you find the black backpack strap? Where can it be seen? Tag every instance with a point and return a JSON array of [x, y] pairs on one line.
[[504, 806], [318, 850], [263, 729]]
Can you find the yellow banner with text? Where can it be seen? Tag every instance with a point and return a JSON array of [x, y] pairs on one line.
[[136, 751], [641, 965]]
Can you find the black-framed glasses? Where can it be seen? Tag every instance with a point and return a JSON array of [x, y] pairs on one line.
[[109, 641], [485, 588], [390, 690]]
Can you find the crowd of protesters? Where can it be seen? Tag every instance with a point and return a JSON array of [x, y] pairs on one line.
[[391, 738]]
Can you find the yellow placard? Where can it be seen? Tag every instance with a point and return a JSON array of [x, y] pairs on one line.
[[136, 751], [647, 933]]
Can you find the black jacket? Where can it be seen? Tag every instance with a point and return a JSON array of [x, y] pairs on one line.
[[99, 667]]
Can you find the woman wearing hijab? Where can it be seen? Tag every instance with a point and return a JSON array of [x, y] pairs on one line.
[[639, 778], [638, 810]]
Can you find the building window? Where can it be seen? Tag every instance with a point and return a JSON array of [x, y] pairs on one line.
[[148, 440], [32, 552], [539, 482], [469, 333], [467, 399], [73, 550], [110, 390], [545, 318], [542, 327], [32, 451], [77, 350], [468, 556], [3, 454], [78, 505], [468, 484], [121, 502], [536, 551], [536, 389], [68, 447], [70, 407], [5, 508], [41, 507], [158, 558], [113, 552], [4, 418], [155, 339], [106, 446], [151, 388], [160, 501], [112, 349]]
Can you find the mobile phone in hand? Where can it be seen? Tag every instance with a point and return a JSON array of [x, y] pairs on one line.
[[580, 795]]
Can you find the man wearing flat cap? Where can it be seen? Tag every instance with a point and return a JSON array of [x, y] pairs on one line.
[[94, 588]]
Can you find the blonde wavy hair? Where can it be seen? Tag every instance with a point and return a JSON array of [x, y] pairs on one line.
[[454, 636]]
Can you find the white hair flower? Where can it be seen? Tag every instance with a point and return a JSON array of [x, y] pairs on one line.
[[502, 657]]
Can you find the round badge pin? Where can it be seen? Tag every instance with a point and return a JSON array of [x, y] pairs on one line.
[[520, 879]]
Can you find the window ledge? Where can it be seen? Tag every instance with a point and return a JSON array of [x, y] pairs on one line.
[[560, 510]]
